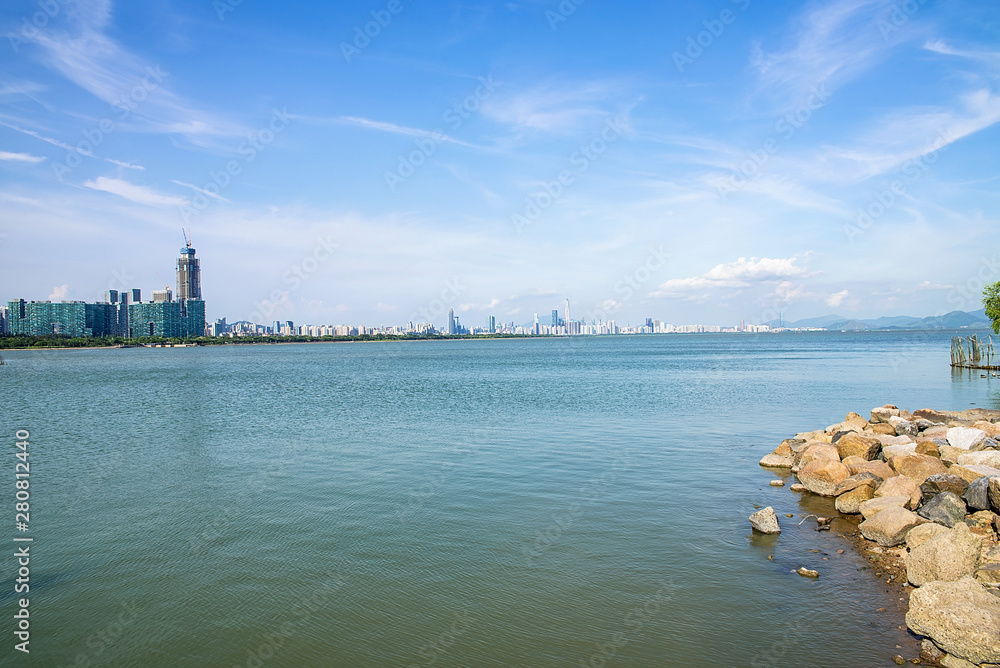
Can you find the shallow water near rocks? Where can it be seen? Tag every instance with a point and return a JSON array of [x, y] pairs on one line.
[[544, 502]]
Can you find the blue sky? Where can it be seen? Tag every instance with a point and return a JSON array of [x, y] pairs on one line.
[[695, 162]]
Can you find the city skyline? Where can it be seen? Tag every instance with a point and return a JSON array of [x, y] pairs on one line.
[[702, 162]]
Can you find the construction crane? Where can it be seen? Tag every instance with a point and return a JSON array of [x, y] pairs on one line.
[[187, 237], [165, 286]]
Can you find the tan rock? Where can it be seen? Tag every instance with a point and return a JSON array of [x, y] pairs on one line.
[[850, 502], [918, 467], [989, 458], [821, 476], [928, 448], [776, 461], [901, 485], [783, 450], [817, 451], [989, 574], [859, 445], [961, 617], [889, 526], [874, 506], [973, 471], [884, 428], [919, 535], [856, 420], [992, 429], [818, 435], [878, 467], [898, 450], [882, 414], [948, 556]]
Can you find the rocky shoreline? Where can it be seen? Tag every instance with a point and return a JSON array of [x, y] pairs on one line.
[[926, 486]]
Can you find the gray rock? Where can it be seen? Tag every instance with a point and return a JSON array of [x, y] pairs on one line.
[[964, 438], [919, 535], [943, 482], [960, 617], [765, 521], [850, 502], [987, 443], [949, 555], [904, 427], [946, 508], [976, 496], [889, 527]]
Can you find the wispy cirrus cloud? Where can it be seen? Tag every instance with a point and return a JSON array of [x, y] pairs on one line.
[[384, 126], [206, 193], [134, 193], [71, 149], [20, 157], [551, 108]]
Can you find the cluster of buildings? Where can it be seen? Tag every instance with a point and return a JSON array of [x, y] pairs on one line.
[[122, 313]]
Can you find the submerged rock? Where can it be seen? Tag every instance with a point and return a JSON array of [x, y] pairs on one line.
[[806, 573], [960, 617], [765, 521], [949, 555]]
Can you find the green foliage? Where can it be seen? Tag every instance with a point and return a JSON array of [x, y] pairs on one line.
[[991, 302]]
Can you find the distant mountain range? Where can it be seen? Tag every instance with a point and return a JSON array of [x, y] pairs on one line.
[[953, 320]]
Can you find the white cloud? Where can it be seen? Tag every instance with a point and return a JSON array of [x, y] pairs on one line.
[[550, 109], [207, 193], [20, 157], [134, 193], [836, 299], [382, 126], [60, 293], [738, 274]]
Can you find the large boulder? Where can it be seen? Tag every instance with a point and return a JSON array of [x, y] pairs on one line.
[[765, 521], [818, 435], [973, 471], [883, 428], [919, 535], [929, 447], [931, 415], [992, 429], [859, 445], [943, 482], [901, 486], [949, 555], [850, 502], [873, 507], [981, 458], [817, 451], [964, 438], [877, 467], [887, 439], [976, 496], [821, 476], [960, 617], [993, 491], [889, 527], [918, 467], [882, 414], [946, 508]]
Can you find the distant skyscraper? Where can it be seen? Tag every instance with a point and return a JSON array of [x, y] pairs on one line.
[[555, 317], [451, 321], [491, 324], [567, 318], [188, 273]]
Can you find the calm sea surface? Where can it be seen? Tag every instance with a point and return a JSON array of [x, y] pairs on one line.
[[525, 503]]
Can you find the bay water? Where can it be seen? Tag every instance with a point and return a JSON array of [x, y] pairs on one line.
[[530, 503]]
